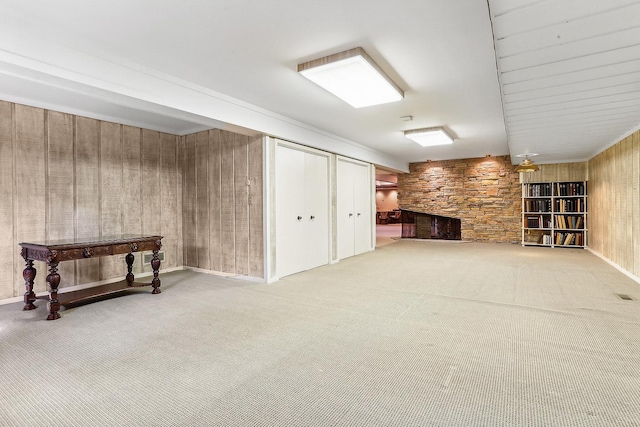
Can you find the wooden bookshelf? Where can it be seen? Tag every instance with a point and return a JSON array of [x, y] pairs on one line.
[[554, 214]]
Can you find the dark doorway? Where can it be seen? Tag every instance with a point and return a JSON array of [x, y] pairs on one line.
[[418, 225]]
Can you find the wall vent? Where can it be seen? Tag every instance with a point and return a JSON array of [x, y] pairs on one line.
[[146, 257]]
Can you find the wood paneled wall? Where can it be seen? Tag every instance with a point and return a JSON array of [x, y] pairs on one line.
[[222, 202], [614, 204], [558, 172], [64, 176]]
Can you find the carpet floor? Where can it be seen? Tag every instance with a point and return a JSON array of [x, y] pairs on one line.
[[412, 334]]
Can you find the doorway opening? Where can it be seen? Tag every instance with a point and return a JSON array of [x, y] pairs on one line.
[[388, 221]]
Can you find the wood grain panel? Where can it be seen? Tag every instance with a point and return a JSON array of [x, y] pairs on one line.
[[635, 203], [132, 185], [271, 204], [179, 184], [615, 195], [608, 225], [111, 189], [598, 204], [215, 218], [592, 204], [151, 203], [8, 247], [169, 197], [202, 200], [63, 176], [558, 172], [30, 185], [625, 234], [241, 190], [227, 203], [60, 189], [87, 168], [189, 202], [256, 226]]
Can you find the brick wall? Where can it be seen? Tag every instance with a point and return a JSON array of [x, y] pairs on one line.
[[484, 193]]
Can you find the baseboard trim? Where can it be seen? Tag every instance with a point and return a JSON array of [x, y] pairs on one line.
[[613, 264], [227, 275]]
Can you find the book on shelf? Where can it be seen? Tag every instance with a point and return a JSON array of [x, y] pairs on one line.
[[540, 205], [569, 205], [569, 239], [571, 222], [569, 189], [538, 221], [539, 190]]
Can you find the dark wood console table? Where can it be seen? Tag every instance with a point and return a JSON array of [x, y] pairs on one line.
[[55, 252]]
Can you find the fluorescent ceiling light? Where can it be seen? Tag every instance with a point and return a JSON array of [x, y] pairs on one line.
[[429, 136], [353, 77]]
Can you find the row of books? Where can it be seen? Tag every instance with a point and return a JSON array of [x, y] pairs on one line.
[[539, 190], [542, 205], [559, 189], [567, 239], [569, 189], [573, 222], [558, 239], [569, 205], [539, 221]]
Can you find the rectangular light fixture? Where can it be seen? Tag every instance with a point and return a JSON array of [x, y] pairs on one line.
[[429, 136], [353, 77]]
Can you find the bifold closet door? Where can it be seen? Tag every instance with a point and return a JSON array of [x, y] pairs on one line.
[[302, 210], [354, 208], [290, 196], [345, 209], [316, 237], [362, 194]]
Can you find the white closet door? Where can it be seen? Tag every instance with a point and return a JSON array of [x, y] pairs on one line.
[[290, 212], [345, 210], [316, 219], [362, 195]]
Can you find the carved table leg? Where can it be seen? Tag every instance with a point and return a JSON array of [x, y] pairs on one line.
[[53, 280], [29, 275], [155, 265], [129, 259]]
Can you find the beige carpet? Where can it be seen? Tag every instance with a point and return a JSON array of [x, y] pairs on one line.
[[413, 334]]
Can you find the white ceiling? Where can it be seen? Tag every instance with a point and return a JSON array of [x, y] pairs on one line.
[[568, 74]]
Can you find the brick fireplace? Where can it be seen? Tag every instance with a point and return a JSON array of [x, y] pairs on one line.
[[484, 193]]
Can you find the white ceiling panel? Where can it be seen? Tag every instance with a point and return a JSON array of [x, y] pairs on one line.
[[569, 74], [514, 17], [567, 32]]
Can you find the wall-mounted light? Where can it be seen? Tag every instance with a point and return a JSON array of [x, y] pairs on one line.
[[429, 136], [353, 77], [527, 165]]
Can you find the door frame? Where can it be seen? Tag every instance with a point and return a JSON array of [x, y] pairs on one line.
[[270, 201]]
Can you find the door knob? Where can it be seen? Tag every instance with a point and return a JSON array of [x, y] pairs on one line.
[[299, 217], [358, 213], [350, 215], [313, 217]]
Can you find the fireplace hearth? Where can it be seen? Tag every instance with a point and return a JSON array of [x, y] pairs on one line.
[[420, 225]]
